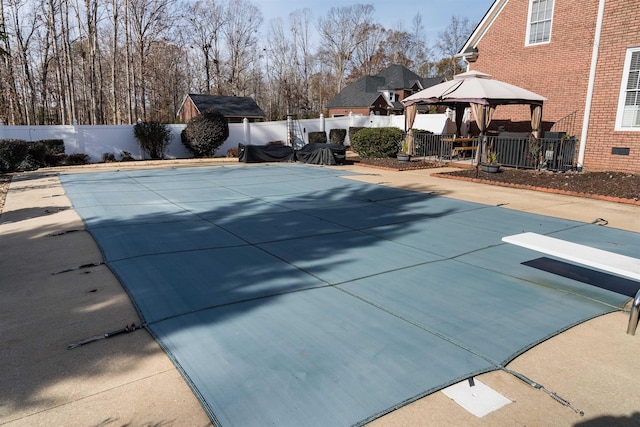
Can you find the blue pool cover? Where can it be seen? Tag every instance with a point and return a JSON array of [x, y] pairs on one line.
[[290, 295]]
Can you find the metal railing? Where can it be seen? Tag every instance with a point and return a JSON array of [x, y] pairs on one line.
[[554, 154], [440, 147]]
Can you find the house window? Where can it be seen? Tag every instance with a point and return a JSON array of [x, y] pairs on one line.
[[628, 116], [540, 17]]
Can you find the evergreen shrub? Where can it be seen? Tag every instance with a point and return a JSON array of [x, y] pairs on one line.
[[353, 130], [205, 133], [78, 159], [13, 152], [377, 142], [36, 154], [153, 137]]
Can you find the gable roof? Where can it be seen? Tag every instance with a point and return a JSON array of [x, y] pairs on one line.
[[228, 106], [399, 77], [469, 48], [366, 90], [363, 91]]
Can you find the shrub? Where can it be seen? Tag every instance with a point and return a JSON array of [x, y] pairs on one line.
[[54, 154], [205, 133], [108, 157], [78, 159], [54, 146], [12, 153], [153, 137], [232, 152], [317, 137], [353, 130], [421, 131], [337, 136], [126, 156], [36, 155], [377, 142]]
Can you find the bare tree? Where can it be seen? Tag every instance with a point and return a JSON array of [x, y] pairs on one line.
[[243, 19], [342, 31], [303, 58], [368, 57], [280, 75], [397, 46], [450, 41], [206, 19], [3, 34], [116, 113], [149, 20], [8, 90], [420, 52], [87, 21]]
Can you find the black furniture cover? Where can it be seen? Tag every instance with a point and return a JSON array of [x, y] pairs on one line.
[[265, 153], [314, 153], [321, 154]]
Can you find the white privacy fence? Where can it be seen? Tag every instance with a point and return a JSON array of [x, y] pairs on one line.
[[100, 139]]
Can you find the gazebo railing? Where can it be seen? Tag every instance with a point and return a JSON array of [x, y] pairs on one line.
[[437, 147], [554, 154]]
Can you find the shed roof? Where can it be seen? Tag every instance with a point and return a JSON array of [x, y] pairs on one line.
[[228, 106]]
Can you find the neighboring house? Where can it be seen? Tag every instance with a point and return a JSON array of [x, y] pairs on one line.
[[380, 94], [584, 56], [234, 108]]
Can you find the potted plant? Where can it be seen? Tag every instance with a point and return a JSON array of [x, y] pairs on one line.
[[491, 164], [403, 155]]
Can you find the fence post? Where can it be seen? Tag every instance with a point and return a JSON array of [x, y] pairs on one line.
[[247, 131], [77, 140]]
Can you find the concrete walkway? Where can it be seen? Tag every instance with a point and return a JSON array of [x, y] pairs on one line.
[[128, 380]]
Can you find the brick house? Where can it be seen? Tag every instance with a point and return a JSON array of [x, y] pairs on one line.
[[379, 94], [584, 56], [234, 108]]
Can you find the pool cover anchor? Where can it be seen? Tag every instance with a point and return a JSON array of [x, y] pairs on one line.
[[126, 329], [553, 395]]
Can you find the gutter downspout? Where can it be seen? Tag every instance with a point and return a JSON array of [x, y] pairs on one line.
[[592, 78]]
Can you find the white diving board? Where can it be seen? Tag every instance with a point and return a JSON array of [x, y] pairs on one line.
[[603, 260], [621, 265]]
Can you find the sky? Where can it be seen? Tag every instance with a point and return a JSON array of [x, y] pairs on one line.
[[436, 14]]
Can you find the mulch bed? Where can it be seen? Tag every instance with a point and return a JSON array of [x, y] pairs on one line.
[[616, 186], [394, 164]]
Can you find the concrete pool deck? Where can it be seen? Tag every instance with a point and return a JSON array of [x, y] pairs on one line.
[[129, 381]]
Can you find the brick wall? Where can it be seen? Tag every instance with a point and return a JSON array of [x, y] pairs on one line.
[[345, 111], [188, 111], [620, 31], [559, 70]]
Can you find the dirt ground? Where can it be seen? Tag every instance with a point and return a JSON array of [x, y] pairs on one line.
[[612, 184]]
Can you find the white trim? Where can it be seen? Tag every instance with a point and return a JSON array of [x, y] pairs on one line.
[[623, 92], [528, 32], [591, 85], [484, 25]]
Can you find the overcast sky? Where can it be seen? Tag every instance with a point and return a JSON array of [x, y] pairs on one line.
[[436, 14]]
